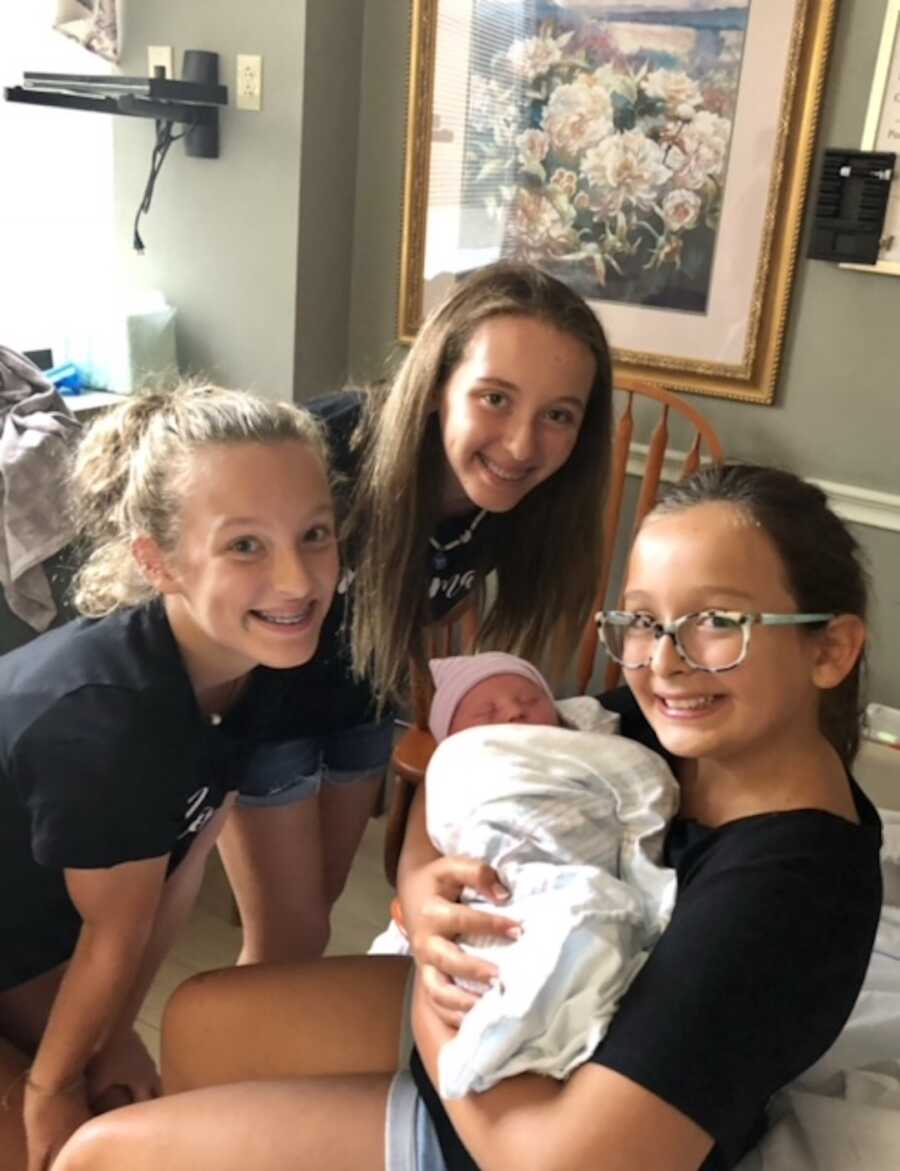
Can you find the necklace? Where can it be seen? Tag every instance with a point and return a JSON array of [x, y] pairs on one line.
[[439, 557]]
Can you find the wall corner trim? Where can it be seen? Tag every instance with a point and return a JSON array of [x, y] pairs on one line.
[[862, 506]]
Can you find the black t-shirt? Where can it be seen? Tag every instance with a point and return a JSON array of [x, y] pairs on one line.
[[333, 700], [756, 973], [454, 572], [105, 758]]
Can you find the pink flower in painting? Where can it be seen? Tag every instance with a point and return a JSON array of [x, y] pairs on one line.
[[681, 210], [536, 226], [579, 115], [701, 150], [624, 169], [565, 181]]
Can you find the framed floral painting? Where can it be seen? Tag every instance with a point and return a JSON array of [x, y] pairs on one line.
[[653, 154]]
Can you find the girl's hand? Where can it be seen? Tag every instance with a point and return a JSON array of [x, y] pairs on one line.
[[50, 1119], [438, 918], [122, 1072]]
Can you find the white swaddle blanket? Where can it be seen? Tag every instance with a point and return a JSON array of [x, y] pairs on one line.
[[573, 822]]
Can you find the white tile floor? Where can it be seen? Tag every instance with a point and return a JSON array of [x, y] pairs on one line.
[[211, 940]]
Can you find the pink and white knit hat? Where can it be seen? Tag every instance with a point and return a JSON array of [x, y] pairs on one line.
[[455, 677]]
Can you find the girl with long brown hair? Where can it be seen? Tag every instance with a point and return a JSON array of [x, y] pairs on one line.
[[488, 453]]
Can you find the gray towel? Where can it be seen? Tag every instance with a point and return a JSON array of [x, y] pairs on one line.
[[37, 435]]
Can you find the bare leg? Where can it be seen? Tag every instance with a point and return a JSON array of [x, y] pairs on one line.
[[334, 1016], [288, 864], [345, 810], [326, 1124], [13, 1064], [23, 1017], [273, 858]]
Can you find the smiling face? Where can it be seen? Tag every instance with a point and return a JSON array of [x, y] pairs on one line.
[[504, 699], [252, 575], [709, 556], [511, 410]]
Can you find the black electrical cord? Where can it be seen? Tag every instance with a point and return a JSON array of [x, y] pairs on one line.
[[164, 139]]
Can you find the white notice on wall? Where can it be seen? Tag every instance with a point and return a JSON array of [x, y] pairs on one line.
[[883, 125]]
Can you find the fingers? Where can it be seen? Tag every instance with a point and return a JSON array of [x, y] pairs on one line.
[[447, 920], [457, 871], [449, 1003]]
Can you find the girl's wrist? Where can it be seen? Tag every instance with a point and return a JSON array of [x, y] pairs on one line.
[[37, 1088]]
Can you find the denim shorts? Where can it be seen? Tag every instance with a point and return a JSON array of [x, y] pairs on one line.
[[410, 1140], [282, 772]]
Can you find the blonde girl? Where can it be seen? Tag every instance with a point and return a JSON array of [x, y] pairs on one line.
[[741, 636], [124, 733], [489, 451]]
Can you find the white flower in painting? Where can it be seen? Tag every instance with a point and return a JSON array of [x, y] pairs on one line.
[[676, 90], [624, 169], [532, 146], [681, 210], [536, 226], [579, 115], [700, 151], [492, 109], [532, 57]]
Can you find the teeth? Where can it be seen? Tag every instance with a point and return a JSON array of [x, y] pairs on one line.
[[501, 473], [689, 705], [285, 619]]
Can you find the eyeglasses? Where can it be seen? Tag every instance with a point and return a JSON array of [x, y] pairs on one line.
[[710, 640]]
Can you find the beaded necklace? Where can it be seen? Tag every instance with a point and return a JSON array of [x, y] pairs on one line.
[[439, 557]]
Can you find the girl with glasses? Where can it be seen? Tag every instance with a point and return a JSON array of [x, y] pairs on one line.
[[776, 851]]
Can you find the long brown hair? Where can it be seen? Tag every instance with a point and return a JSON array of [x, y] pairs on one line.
[[548, 548]]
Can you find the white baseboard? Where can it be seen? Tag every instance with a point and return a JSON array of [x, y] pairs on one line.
[[862, 506]]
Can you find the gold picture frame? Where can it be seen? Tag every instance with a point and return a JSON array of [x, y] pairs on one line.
[[717, 325]]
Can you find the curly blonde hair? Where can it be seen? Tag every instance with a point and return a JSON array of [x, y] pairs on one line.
[[129, 472]]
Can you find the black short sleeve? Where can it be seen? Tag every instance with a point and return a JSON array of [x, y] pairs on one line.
[[756, 973], [103, 778]]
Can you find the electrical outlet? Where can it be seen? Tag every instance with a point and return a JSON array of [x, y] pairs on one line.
[[160, 55], [249, 81]]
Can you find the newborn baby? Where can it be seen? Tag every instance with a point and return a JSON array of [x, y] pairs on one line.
[[572, 819]]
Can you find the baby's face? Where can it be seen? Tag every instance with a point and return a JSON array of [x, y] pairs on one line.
[[504, 699]]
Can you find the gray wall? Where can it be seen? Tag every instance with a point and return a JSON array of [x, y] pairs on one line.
[[253, 249], [838, 411]]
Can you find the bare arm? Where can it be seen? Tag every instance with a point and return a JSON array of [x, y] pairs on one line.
[[596, 1121], [175, 905], [117, 906]]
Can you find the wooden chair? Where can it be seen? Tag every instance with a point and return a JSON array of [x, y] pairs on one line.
[[414, 750], [653, 470]]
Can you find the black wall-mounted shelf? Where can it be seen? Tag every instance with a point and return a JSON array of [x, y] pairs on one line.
[[136, 97], [195, 101]]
